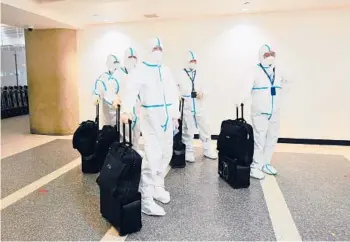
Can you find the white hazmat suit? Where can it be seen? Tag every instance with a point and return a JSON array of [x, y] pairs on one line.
[[265, 110], [154, 84], [130, 62], [107, 90], [194, 113]]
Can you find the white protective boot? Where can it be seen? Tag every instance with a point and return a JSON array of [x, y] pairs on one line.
[[161, 195], [190, 156], [269, 169], [208, 151], [151, 208], [257, 173]]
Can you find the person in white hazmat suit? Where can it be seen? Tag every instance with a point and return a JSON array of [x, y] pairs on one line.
[[194, 113], [107, 90], [154, 84], [130, 62], [266, 90]]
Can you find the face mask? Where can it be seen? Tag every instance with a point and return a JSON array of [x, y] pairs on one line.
[[130, 63], [157, 57], [192, 66], [269, 61]]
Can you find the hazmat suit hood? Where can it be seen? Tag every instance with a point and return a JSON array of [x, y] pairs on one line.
[[112, 63], [155, 51], [190, 61], [267, 56], [130, 59]]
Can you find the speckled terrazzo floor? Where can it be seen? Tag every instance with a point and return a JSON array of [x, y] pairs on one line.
[[26, 167], [204, 207], [316, 188], [317, 191], [68, 209]]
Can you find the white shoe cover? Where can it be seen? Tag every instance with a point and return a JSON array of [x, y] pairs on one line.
[[257, 174], [190, 157], [149, 207], [211, 154], [269, 169], [161, 195]]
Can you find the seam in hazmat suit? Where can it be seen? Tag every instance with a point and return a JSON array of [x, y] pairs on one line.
[[159, 98], [194, 112], [266, 94]]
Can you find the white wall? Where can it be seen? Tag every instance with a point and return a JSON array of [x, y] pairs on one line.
[[312, 48]]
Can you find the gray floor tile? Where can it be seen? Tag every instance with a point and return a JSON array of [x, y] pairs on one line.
[[203, 207], [317, 191], [28, 166], [69, 210]]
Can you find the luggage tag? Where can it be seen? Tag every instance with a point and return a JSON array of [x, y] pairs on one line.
[[273, 91]]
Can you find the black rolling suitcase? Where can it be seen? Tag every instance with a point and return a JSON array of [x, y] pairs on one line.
[[119, 179], [236, 149], [236, 139], [106, 137], [178, 160], [84, 140]]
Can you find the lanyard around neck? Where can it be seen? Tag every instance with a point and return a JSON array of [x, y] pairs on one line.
[[192, 78], [272, 79]]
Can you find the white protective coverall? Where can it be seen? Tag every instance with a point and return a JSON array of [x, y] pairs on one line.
[[130, 62], [107, 90], [265, 110], [194, 112], [153, 82]]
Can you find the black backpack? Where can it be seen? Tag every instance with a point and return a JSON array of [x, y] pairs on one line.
[[236, 140]]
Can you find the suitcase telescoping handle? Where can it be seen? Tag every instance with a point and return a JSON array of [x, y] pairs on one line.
[[241, 118], [182, 103], [124, 138], [97, 113], [97, 119], [117, 122]]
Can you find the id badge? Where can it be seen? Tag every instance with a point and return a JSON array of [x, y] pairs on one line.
[[273, 91], [193, 94]]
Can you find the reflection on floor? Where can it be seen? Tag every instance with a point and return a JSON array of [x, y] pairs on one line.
[[44, 202]]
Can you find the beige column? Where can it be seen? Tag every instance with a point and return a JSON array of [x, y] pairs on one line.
[[52, 80]]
